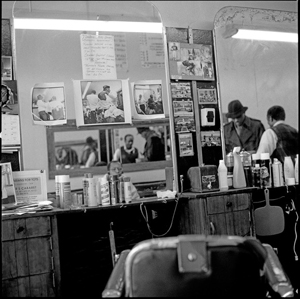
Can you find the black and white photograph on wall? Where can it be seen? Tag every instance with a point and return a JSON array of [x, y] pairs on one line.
[[210, 138], [184, 124], [8, 193], [181, 90], [6, 65], [101, 102], [148, 102], [186, 147], [195, 63], [207, 96], [183, 108], [49, 104], [9, 97], [174, 50]]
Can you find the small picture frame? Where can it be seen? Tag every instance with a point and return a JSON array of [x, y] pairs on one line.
[[49, 104], [210, 138], [148, 102], [7, 68], [207, 96], [186, 147], [8, 193]]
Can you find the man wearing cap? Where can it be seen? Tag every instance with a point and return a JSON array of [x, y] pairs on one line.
[[280, 140], [242, 131]]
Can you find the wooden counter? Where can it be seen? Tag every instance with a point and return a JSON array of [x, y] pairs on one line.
[[67, 252]]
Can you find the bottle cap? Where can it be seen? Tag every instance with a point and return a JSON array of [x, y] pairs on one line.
[[275, 160], [290, 181], [256, 165], [255, 156], [221, 161], [62, 178], [264, 156]]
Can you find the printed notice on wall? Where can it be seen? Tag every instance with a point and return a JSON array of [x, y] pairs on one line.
[[11, 130], [30, 186], [98, 56], [151, 50]]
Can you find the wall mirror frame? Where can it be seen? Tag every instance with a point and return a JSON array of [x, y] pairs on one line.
[[63, 64], [258, 73]]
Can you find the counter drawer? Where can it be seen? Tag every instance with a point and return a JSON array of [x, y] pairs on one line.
[[227, 203], [24, 228]]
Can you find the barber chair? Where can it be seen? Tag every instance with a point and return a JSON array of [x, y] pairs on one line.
[[198, 265]]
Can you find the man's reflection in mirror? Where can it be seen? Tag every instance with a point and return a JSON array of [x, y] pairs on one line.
[[127, 153], [66, 158], [89, 156]]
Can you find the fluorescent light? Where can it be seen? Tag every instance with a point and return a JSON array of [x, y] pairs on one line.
[[267, 35], [81, 25]]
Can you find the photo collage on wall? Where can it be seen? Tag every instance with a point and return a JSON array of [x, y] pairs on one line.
[[191, 61], [210, 138], [183, 107]]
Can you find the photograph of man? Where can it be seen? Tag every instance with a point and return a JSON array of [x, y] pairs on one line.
[[93, 102], [89, 156], [127, 153], [242, 130]]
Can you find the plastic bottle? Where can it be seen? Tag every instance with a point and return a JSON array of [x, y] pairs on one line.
[[256, 176], [103, 191], [84, 189], [278, 180], [222, 174], [296, 170], [91, 192], [288, 168], [239, 180], [127, 189], [246, 161], [255, 159], [114, 189], [229, 163], [265, 170], [121, 190], [63, 191]]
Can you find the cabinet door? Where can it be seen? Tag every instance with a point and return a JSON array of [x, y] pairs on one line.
[[27, 259], [229, 214]]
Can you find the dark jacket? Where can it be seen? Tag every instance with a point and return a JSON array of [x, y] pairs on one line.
[[154, 147], [128, 157], [288, 142], [249, 138]]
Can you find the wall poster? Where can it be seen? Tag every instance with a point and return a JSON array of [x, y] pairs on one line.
[[210, 138], [207, 96], [186, 147], [191, 61]]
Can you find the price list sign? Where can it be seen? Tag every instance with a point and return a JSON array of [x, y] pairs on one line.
[[151, 50]]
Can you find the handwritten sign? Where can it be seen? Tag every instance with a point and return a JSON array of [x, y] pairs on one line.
[[11, 130], [98, 56]]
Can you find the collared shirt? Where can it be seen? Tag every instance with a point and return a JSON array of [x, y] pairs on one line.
[[268, 140], [251, 132], [117, 154]]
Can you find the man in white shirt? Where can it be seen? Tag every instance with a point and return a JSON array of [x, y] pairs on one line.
[[280, 140], [93, 101]]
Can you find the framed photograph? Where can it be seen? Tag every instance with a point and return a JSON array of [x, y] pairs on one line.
[[101, 102], [181, 90], [183, 108], [184, 124], [210, 138], [191, 61], [49, 104], [186, 147], [207, 96], [8, 194], [6, 68], [147, 97], [30, 186]]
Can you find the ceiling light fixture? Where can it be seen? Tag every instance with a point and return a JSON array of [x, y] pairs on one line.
[[267, 35], [81, 25]]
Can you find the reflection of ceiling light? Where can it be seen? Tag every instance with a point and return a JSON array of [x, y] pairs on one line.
[[267, 35], [80, 25]]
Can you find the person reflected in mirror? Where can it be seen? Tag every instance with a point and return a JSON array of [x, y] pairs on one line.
[[127, 153], [150, 107], [280, 140], [89, 157], [242, 130], [208, 141], [116, 168], [43, 107], [66, 157], [142, 104], [93, 102], [154, 149]]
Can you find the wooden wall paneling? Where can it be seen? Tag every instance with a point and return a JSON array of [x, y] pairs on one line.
[[9, 261]]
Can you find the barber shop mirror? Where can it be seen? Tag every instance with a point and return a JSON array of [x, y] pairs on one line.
[[259, 73], [55, 56]]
